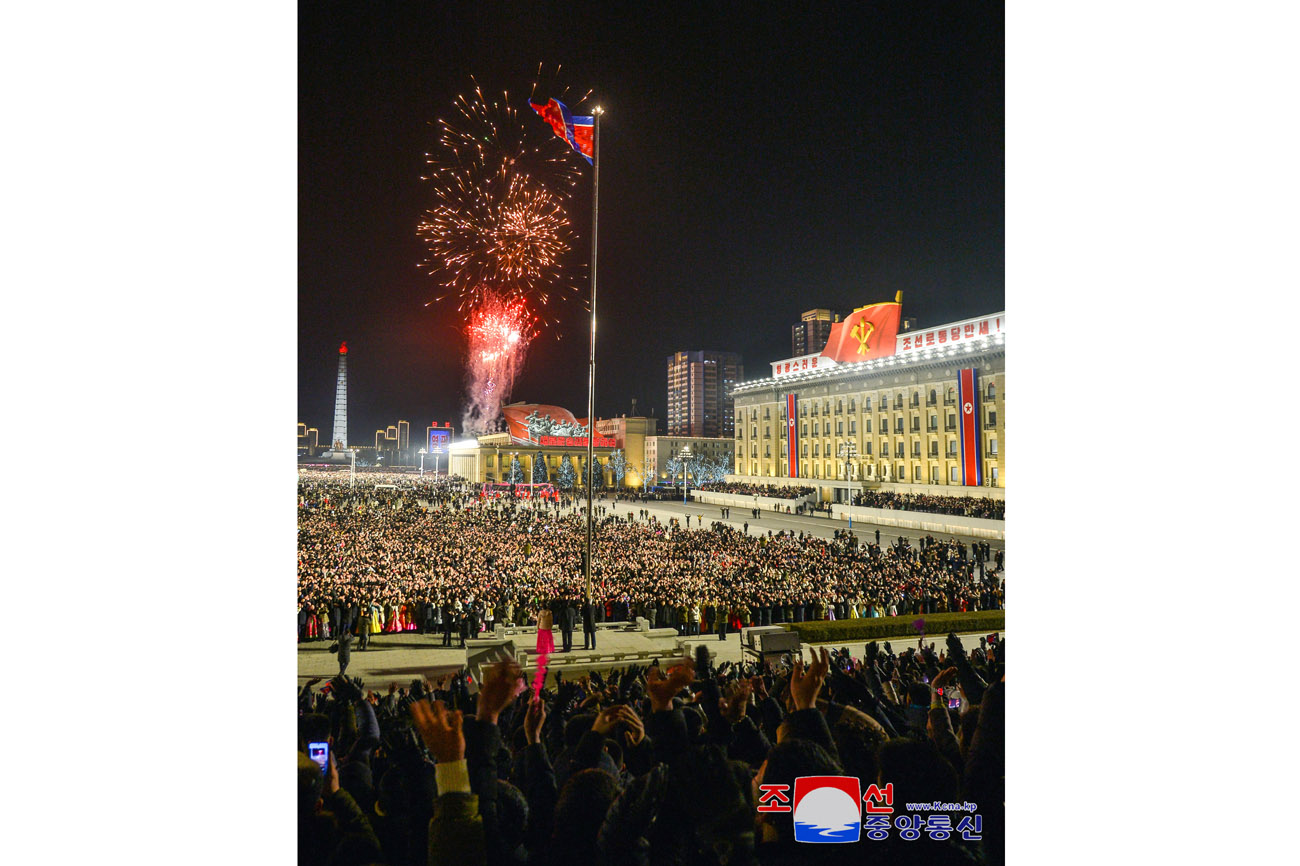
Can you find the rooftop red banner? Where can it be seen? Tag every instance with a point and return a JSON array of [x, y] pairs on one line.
[[870, 332]]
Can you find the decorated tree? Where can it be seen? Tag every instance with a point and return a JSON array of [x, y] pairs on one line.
[[597, 476], [516, 471], [674, 469], [618, 465], [565, 478], [540, 475]]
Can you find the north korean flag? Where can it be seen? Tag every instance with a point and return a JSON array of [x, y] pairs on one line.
[[577, 131], [972, 474], [791, 435]]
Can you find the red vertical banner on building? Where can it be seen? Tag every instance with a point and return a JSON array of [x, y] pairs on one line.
[[972, 463], [792, 434]]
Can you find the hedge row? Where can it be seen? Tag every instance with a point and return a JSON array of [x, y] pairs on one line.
[[937, 625]]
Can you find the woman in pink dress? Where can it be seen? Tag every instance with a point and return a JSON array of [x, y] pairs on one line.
[[545, 646]]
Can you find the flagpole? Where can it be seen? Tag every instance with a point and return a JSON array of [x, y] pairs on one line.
[[591, 367]]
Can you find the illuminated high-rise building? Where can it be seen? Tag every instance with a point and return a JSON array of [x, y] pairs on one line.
[[810, 335], [699, 399], [340, 439]]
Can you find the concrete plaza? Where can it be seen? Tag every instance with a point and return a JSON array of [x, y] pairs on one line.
[[401, 658]]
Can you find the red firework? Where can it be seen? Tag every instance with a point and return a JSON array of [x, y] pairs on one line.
[[499, 328]]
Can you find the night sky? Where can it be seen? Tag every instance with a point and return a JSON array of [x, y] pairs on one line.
[[753, 165]]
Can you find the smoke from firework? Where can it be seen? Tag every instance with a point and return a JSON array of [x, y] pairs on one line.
[[499, 331]]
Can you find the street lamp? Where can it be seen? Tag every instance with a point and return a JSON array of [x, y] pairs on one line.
[[422, 453], [849, 452], [437, 459], [352, 480], [685, 457]]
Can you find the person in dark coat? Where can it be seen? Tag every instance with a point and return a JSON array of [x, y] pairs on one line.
[[588, 626], [343, 646], [566, 615], [364, 623], [448, 623]]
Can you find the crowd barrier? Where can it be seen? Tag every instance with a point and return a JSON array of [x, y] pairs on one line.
[[923, 521], [745, 500]]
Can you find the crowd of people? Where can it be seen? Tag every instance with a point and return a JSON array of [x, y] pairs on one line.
[[772, 491], [679, 763], [374, 560], [960, 506]]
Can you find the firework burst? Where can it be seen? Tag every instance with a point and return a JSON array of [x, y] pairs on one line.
[[501, 182], [497, 237]]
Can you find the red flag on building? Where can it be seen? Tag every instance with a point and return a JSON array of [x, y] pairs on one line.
[[870, 332]]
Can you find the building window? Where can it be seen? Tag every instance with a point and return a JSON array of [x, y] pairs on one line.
[[839, 428], [805, 430], [866, 404], [993, 418], [932, 398], [992, 392], [853, 427], [898, 424], [884, 403], [916, 449], [839, 407], [868, 449], [993, 447], [902, 472], [916, 425], [852, 406], [805, 450], [867, 421], [954, 475]]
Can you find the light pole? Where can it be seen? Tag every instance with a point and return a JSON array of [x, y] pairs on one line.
[[437, 459], [685, 457], [849, 452], [352, 480], [422, 453]]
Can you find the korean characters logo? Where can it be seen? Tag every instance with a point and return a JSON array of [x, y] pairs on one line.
[[834, 809]]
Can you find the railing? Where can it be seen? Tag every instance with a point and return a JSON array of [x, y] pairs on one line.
[[950, 401], [949, 428]]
